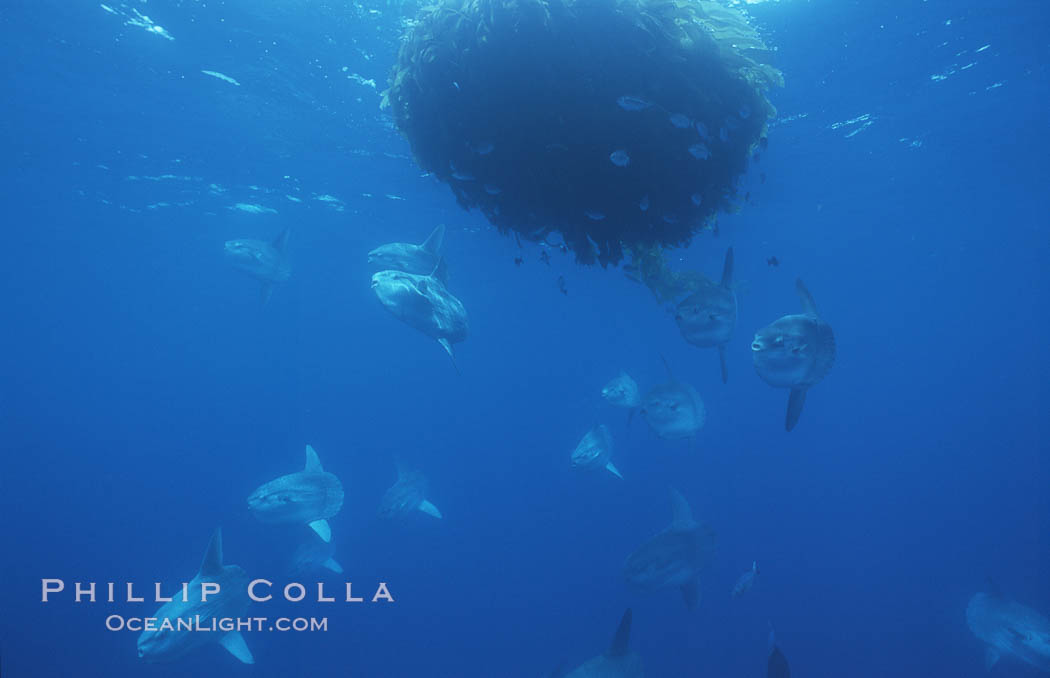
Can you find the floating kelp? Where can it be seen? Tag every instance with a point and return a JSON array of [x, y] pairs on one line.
[[618, 123]]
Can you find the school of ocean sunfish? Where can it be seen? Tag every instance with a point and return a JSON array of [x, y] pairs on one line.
[[794, 352]]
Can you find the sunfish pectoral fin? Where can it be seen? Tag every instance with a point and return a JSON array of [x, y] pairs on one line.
[[722, 363], [212, 563], [447, 345], [322, 529], [991, 656], [332, 565], [267, 292], [429, 509], [313, 462], [613, 470], [434, 241], [234, 643], [795, 402], [691, 593], [622, 637]]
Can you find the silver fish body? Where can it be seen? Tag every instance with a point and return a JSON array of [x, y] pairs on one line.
[[795, 352], [425, 304], [707, 318], [164, 644], [674, 410], [675, 556], [407, 495], [594, 451], [423, 259], [622, 391], [301, 497], [1009, 628], [310, 496]]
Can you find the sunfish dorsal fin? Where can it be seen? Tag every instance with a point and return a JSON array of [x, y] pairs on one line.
[[212, 563], [435, 240], [441, 271], [622, 636], [613, 470], [681, 514], [808, 305], [727, 270], [234, 643], [434, 273], [667, 366], [313, 462], [281, 241]]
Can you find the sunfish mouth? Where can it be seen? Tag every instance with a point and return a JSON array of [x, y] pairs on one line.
[[756, 346]]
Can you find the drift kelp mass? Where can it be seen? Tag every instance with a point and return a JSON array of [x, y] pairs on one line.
[[618, 123]]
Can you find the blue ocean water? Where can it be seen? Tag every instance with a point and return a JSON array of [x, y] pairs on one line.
[[147, 390]]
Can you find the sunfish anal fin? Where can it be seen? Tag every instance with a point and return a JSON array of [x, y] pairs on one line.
[[212, 563], [429, 509], [991, 656], [613, 470], [795, 402], [332, 565], [313, 462], [691, 593], [447, 345], [322, 529], [722, 362], [622, 636], [234, 643], [267, 291]]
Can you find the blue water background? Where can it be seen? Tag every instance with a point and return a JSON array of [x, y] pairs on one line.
[[146, 390]]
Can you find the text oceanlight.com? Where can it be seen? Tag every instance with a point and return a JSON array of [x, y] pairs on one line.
[[116, 622]]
